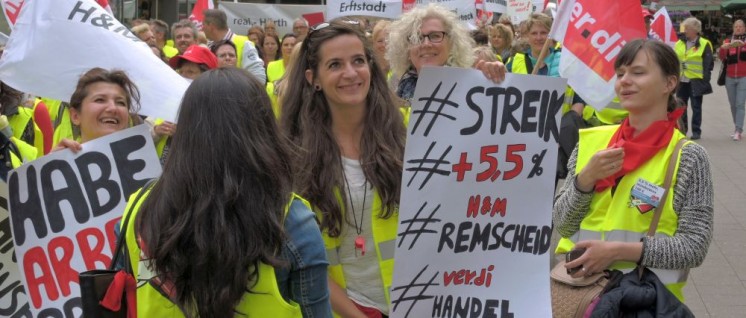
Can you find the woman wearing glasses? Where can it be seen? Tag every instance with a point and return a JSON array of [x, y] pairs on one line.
[[432, 36], [349, 135]]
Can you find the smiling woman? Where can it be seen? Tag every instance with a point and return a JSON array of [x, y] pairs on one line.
[[103, 102], [432, 36], [601, 208], [349, 135]]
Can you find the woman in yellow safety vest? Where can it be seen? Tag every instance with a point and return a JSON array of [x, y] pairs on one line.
[[349, 137], [276, 69], [220, 234], [616, 176], [103, 102]]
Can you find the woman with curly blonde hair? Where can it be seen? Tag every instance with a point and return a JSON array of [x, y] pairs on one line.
[[432, 36], [501, 40]]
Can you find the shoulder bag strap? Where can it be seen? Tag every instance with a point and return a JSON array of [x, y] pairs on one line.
[[666, 185], [123, 231]]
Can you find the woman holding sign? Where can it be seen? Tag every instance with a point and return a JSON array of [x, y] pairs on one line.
[[349, 135], [432, 36], [616, 175], [221, 234]]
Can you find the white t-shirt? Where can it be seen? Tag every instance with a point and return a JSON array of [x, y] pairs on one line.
[[362, 273]]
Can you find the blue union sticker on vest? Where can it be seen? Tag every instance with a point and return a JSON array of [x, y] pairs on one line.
[[645, 196]]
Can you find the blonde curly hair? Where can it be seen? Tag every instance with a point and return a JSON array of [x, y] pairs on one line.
[[405, 34]]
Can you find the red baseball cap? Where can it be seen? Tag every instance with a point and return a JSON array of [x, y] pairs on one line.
[[196, 54], [646, 13]]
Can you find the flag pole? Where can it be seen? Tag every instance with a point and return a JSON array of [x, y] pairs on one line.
[[542, 55]]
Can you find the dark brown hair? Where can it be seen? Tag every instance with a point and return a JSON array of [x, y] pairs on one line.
[[658, 52], [307, 121], [206, 231], [118, 77]]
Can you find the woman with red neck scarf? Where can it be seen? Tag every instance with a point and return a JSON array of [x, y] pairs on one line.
[[617, 173]]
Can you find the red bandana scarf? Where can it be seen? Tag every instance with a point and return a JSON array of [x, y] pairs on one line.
[[639, 149]]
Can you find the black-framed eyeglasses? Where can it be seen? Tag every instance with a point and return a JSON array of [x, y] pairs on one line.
[[434, 37]]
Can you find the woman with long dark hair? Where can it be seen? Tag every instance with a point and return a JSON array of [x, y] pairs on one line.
[[221, 234], [349, 134]]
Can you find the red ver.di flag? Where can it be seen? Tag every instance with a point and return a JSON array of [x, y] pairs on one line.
[[198, 15], [662, 28], [592, 34]]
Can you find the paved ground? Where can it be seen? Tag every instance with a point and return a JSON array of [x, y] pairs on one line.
[[718, 287]]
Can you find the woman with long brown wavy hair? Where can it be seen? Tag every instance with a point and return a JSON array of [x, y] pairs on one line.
[[350, 137]]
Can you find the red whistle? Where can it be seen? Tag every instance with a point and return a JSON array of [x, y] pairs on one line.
[[360, 244]]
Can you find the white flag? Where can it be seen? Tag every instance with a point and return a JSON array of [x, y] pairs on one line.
[[54, 42]]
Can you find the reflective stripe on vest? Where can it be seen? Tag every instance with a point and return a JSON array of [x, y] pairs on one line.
[[264, 300], [384, 237], [616, 217], [691, 59]]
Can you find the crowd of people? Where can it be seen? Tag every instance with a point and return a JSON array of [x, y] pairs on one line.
[[289, 206]]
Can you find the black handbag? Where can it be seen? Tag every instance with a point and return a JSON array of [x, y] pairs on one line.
[[102, 291], [721, 76]]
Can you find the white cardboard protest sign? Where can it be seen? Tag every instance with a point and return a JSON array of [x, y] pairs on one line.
[[499, 6], [54, 42], [391, 9], [519, 10], [465, 10], [242, 16], [13, 299], [63, 210], [477, 189]]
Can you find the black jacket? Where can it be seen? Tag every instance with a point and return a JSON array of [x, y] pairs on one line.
[[640, 298]]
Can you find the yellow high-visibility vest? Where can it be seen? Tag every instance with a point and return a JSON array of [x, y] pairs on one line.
[[616, 217], [264, 300]]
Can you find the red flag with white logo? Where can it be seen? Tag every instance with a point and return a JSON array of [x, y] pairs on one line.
[[662, 28], [592, 34], [11, 9], [105, 4], [197, 15]]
